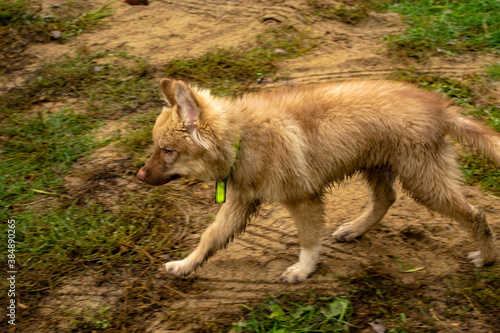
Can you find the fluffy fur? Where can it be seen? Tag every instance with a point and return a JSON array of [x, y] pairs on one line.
[[296, 141]]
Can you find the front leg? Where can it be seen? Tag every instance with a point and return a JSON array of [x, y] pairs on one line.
[[230, 221], [308, 216]]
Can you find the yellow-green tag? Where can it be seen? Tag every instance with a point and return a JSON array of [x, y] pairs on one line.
[[220, 191]]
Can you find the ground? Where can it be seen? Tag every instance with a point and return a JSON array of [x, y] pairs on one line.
[[417, 248]]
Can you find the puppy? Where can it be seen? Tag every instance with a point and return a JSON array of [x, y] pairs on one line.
[[289, 144]]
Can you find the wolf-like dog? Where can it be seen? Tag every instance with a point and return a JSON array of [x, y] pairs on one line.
[[290, 144]]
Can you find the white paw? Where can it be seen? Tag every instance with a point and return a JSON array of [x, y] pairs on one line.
[[476, 258], [347, 232], [296, 274], [178, 268]]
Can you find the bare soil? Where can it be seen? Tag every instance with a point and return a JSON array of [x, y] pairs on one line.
[[249, 269]]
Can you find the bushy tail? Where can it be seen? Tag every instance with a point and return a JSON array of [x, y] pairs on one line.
[[472, 133]]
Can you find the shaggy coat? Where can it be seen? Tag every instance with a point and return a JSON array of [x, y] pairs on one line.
[[296, 141]]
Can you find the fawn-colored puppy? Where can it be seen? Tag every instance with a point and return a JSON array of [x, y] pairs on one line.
[[287, 145]]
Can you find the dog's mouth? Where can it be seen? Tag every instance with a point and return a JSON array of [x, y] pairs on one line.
[[158, 181], [165, 180]]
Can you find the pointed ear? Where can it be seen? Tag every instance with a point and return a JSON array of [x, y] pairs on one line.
[[189, 112], [189, 109], [168, 91]]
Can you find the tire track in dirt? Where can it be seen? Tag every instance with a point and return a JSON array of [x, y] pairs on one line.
[[217, 9], [384, 73], [267, 11]]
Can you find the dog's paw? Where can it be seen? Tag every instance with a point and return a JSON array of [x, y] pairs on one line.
[[178, 268], [295, 274], [476, 258], [346, 233]]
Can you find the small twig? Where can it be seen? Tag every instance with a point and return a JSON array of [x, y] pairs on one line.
[[193, 76], [434, 315], [151, 261], [471, 304], [186, 214], [51, 193], [175, 291], [493, 196]]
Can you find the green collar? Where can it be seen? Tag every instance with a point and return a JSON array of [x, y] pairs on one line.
[[220, 185]]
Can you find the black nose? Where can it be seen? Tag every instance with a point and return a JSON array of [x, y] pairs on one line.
[[141, 175]]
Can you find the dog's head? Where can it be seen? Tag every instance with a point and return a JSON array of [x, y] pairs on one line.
[[189, 136]]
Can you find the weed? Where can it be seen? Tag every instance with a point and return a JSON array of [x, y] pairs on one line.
[[230, 71], [493, 71], [21, 24], [288, 313], [12, 11], [36, 150], [91, 319], [350, 11], [139, 137], [447, 26], [84, 22], [111, 85], [378, 296], [478, 292]]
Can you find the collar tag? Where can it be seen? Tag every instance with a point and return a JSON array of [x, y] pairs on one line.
[[220, 191], [220, 185]]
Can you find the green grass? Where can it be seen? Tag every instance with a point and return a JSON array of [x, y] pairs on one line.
[[376, 294], [231, 71], [76, 233], [483, 288], [110, 85], [59, 234], [37, 149], [22, 24], [349, 11], [292, 314], [447, 26], [493, 71], [476, 292]]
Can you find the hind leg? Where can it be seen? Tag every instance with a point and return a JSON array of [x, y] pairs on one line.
[[380, 182], [434, 182], [308, 216]]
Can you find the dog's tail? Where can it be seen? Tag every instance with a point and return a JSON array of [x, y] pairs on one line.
[[472, 133]]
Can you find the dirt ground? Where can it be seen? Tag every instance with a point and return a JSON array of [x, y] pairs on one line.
[[250, 268]]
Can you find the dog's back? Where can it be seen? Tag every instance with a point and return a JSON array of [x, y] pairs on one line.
[[303, 138]]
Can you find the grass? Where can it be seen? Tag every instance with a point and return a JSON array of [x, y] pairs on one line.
[[58, 233], [21, 23], [232, 71], [37, 151], [478, 292], [493, 71], [110, 85], [38, 147], [438, 27], [288, 313], [348, 11], [377, 295]]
